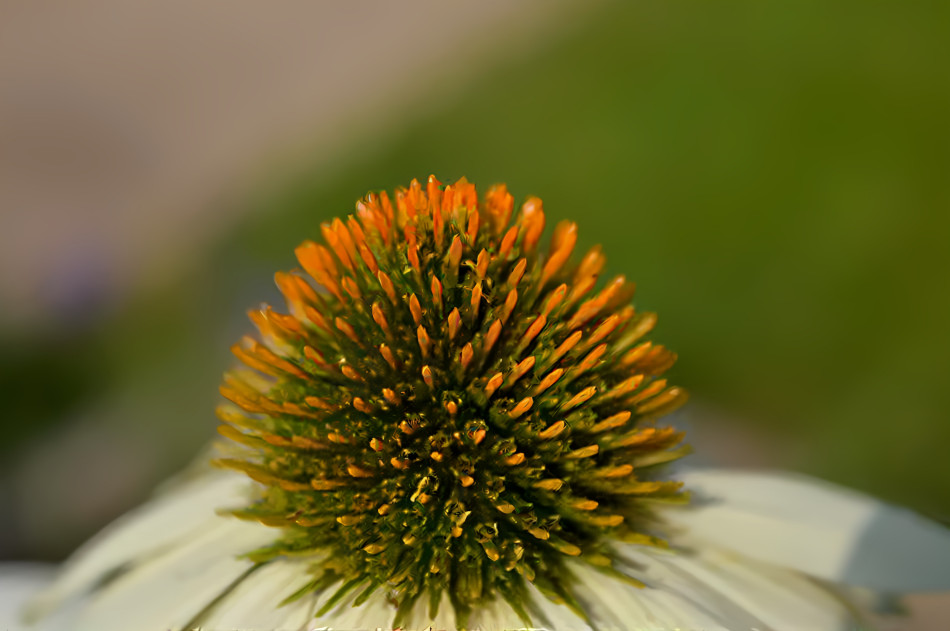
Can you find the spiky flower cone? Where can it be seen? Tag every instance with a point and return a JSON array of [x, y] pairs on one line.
[[449, 410]]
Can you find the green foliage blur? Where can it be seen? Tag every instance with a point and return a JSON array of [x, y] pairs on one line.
[[774, 176]]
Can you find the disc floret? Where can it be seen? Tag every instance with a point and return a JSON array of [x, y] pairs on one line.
[[447, 410]]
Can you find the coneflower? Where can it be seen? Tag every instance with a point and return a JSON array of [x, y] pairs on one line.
[[456, 426], [451, 408]]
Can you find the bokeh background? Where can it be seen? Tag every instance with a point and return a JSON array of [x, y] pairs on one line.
[[775, 176]]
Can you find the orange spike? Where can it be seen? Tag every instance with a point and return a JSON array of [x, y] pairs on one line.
[[391, 397], [591, 265], [606, 328], [554, 299], [498, 206], [455, 321], [362, 405], [455, 255], [346, 240], [613, 422], [412, 254], [532, 218], [584, 452], [491, 337], [346, 329], [367, 255], [675, 396], [376, 444], [437, 293], [517, 273], [438, 228], [424, 341], [448, 199], [580, 288], [328, 262], [350, 287], [350, 373], [433, 191], [533, 331], [333, 240], [565, 347], [514, 459], [624, 387], [380, 318], [647, 392], [415, 196], [387, 354], [590, 308], [510, 301], [617, 471], [415, 309], [427, 376], [481, 264], [359, 238], [635, 354], [313, 355], [466, 355], [309, 257], [591, 360], [523, 406], [493, 384], [387, 284], [288, 325], [520, 370], [553, 430], [562, 244], [508, 242], [358, 472], [316, 402], [549, 380], [372, 217], [314, 259], [406, 210], [580, 398], [476, 300], [386, 205], [472, 231]]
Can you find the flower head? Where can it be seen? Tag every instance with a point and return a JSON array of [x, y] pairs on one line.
[[452, 428], [450, 408]]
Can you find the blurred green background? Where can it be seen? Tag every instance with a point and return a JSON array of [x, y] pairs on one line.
[[774, 176]]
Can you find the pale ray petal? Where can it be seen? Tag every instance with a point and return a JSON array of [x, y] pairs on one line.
[[18, 583], [375, 613], [776, 598], [253, 603], [713, 591], [167, 592], [162, 523], [824, 530]]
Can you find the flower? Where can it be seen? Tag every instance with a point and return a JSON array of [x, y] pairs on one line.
[[455, 429]]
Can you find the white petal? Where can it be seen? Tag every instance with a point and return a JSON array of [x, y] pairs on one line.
[[701, 589], [253, 603], [824, 530], [169, 590], [158, 525], [18, 583], [745, 593]]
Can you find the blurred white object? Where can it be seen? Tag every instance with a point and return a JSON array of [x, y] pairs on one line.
[[20, 582]]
